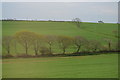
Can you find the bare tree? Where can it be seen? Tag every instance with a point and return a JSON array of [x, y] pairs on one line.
[[50, 39], [92, 45], [95, 45], [64, 42], [100, 22], [6, 41], [77, 22], [15, 44], [115, 46], [36, 42], [109, 43], [25, 39], [44, 50], [79, 42]]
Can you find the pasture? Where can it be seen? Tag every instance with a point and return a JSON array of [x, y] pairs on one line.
[[88, 30], [95, 66], [96, 31], [91, 66]]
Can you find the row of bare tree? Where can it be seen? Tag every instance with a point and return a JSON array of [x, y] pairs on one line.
[[44, 44]]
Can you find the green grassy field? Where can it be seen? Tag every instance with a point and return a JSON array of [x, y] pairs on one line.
[[60, 28], [96, 31], [95, 66]]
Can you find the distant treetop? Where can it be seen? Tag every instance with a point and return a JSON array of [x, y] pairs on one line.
[[100, 22]]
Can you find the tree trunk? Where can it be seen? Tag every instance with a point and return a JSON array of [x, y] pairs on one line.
[[50, 49], [8, 51], [36, 53], [64, 50], [78, 49], [36, 50], [15, 47], [26, 50], [95, 50], [109, 44]]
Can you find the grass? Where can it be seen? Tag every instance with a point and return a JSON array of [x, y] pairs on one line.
[[94, 66], [97, 66], [60, 28], [88, 30]]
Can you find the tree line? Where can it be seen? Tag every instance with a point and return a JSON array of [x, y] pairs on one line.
[[43, 44]]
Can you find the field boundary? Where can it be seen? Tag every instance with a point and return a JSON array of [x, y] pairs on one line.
[[61, 55]]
